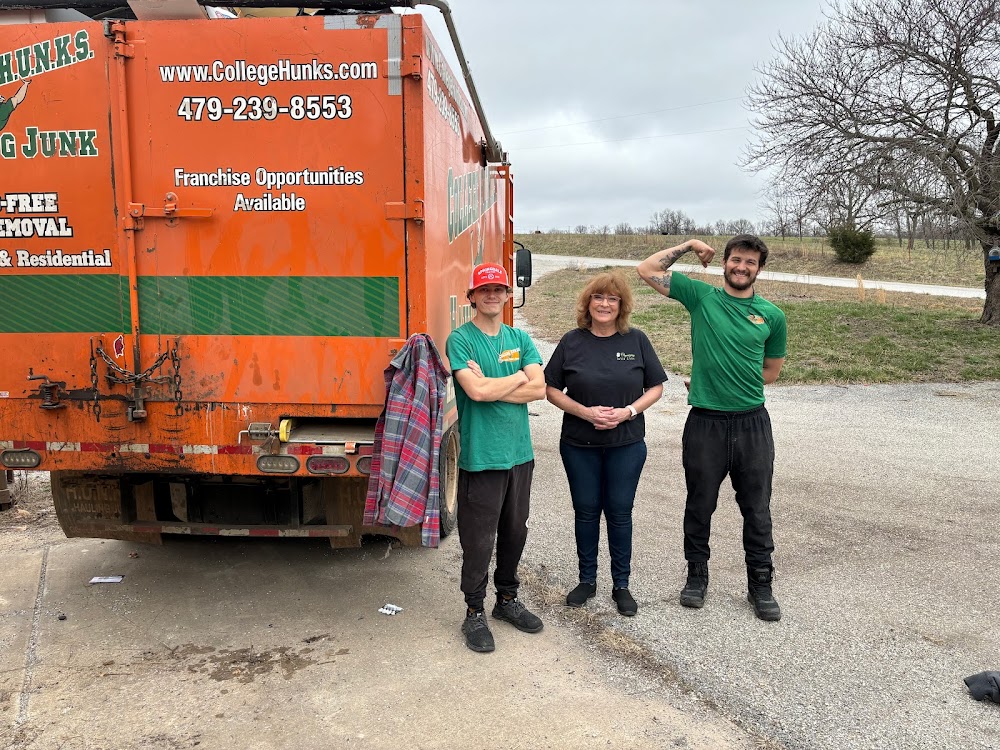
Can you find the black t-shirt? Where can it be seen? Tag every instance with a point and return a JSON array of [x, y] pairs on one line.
[[603, 371]]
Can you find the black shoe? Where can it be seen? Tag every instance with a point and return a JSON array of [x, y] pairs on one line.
[[626, 604], [759, 593], [517, 615], [693, 593], [477, 633], [579, 596]]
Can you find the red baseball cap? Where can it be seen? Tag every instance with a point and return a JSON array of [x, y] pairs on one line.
[[488, 273]]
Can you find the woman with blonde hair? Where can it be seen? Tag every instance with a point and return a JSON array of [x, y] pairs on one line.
[[604, 374]]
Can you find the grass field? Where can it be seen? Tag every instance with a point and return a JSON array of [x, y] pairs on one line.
[[952, 267], [833, 335]]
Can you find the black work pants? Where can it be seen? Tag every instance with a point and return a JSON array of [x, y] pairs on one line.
[[492, 508], [740, 445]]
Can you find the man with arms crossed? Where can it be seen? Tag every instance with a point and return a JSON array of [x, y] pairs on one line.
[[737, 347], [497, 372]]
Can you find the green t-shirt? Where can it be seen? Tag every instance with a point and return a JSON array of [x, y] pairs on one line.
[[730, 338], [494, 434]]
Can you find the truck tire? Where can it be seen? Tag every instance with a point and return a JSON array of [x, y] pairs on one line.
[[448, 482]]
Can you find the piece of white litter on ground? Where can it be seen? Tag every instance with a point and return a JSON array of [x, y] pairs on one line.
[[106, 579], [390, 609]]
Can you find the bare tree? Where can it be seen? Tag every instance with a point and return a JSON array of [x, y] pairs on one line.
[[777, 213], [669, 221], [889, 89], [740, 226]]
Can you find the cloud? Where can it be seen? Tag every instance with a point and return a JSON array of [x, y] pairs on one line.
[[613, 111]]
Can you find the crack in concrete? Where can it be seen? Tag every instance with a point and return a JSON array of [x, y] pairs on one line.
[[31, 652]]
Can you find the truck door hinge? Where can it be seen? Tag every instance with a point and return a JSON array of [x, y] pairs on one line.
[[115, 30], [411, 66], [411, 210]]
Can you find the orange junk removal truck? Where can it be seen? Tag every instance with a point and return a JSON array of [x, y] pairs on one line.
[[215, 233]]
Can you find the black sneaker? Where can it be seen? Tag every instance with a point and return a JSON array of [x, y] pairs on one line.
[[517, 615], [477, 633], [626, 604], [579, 596]]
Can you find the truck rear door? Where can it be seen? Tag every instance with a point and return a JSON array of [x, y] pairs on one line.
[[263, 155], [61, 283]]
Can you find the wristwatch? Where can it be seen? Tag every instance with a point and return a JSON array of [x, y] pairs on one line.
[[634, 412]]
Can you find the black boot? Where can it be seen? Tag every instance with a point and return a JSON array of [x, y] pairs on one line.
[[759, 593], [693, 593]]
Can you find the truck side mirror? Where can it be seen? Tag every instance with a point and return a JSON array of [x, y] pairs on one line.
[[522, 265], [522, 270]]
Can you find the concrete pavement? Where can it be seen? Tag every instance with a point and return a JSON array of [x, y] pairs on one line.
[[220, 643]]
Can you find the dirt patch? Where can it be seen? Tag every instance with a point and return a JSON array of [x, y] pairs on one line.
[[245, 665], [31, 521]]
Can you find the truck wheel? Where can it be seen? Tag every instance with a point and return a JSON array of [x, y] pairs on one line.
[[448, 483]]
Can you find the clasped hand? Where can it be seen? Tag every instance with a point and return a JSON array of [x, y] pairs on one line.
[[606, 417]]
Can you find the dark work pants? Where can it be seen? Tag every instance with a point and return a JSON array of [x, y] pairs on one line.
[[604, 480], [738, 444], [492, 508]]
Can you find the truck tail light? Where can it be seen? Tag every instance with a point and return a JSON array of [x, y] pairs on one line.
[[365, 464], [20, 459], [327, 464], [278, 464]]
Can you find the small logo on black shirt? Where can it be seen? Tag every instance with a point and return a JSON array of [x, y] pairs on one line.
[[624, 357]]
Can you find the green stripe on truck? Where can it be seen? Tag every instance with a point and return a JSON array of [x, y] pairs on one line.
[[203, 305]]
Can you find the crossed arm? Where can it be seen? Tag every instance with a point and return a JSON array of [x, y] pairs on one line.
[[524, 386]]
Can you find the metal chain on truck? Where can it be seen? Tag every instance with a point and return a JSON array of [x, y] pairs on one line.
[[129, 378], [175, 360], [93, 382]]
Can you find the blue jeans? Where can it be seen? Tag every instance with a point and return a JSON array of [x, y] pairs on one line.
[[604, 480]]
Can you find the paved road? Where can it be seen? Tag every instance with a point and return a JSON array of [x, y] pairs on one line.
[[544, 263], [887, 531]]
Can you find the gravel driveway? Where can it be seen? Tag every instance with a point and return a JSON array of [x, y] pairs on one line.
[[887, 534]]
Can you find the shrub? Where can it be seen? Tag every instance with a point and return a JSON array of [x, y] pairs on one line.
[[851, 245]]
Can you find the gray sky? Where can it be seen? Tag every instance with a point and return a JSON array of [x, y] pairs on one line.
[[593, 68]]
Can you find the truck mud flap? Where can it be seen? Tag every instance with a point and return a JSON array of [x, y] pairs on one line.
[[95, 507]]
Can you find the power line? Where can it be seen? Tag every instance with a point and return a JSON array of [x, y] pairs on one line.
[[620, 117], [621, 140]]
